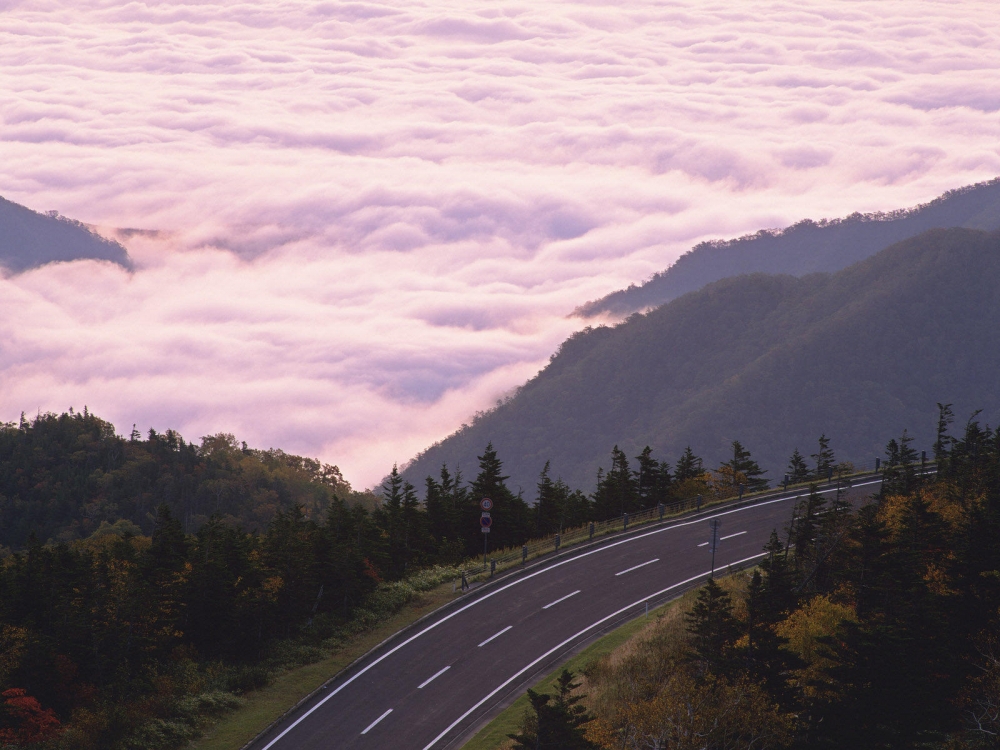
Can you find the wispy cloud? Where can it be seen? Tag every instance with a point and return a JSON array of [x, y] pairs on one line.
[[376, 215]]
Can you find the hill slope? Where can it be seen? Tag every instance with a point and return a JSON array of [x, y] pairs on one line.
[[29, 239], [806, 247], [772, 361]]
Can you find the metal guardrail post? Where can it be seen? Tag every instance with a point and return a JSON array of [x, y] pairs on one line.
[[524, 554], [624, 521], [591, 531], [557, 542]]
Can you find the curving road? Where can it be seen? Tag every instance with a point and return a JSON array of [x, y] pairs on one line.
[[432, 686]]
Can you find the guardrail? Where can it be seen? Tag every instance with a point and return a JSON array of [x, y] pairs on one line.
[[513, 557]]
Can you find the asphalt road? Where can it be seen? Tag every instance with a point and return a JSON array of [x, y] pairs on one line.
[[432, 686]]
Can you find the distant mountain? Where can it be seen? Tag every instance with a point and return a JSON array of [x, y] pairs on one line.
[[29, 239], [772, 361], [806, 247]]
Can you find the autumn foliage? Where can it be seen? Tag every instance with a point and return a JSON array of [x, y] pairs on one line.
[[23, 721], [865, 627]]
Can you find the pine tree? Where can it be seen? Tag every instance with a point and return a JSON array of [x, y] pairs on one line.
[[652, 479], [805, 535], [555, 724], [617, 491], [579, 510], [943, 442], [621, 483], [511, 515], [741, 464], [391, 517], [778, 585], [548, 510], [689, 466], [797, 469], [762, 652], [416, 539], [438, 521], [712, 626], [824, 458]]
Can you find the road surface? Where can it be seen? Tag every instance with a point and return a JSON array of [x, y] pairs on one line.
[[433, 686]]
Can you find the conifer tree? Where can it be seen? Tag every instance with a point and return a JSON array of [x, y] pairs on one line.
[[824, 458], [617, 491], [741, 464], [712, 626], [761, 650], [391, 516], [797, 469], [555, 724], [548, 506], [511, 515], [689, 466], [437, 515], [778, 595], [943, 441], [579, 510], [652, 479]]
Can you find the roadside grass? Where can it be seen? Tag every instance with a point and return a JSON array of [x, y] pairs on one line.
[[261, 707]]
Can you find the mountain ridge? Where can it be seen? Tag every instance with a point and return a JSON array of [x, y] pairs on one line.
[[770, 360], [29, 240], [805, 247]]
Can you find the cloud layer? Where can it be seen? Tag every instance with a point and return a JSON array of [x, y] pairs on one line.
[[375, 216]]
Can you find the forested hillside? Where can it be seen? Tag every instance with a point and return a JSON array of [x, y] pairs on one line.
[[806, 247], [62, 476], [29, 239], [771, 361]]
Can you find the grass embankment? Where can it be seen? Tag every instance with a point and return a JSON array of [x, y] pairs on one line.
[[494, 735], [264, 706]]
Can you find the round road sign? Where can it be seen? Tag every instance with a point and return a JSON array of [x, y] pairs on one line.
[[486, 503], [485, 522]]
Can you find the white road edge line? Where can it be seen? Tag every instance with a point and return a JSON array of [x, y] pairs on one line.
[[738, 533], [429, 680], [552, 604], [704, 544], [495, 635], [372, 725], [636, 567], [569, 640], [521, 580]]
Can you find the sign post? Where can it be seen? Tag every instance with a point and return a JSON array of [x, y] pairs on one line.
[[486, 521]]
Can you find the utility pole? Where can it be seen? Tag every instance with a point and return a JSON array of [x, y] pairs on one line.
[[715, 524]]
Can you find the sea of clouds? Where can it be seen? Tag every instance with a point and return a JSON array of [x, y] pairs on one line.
[[364, 221]]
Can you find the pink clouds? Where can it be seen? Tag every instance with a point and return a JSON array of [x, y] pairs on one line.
[[376, 215]]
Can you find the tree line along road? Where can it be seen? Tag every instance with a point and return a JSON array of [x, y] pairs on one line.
[[432, 686]]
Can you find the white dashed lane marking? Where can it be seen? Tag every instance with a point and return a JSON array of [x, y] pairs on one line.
[[495, 635], [552, 604], [636, 567], [372, 725]]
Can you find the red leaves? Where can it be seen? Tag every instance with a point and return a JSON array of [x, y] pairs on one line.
[[23, 720]]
